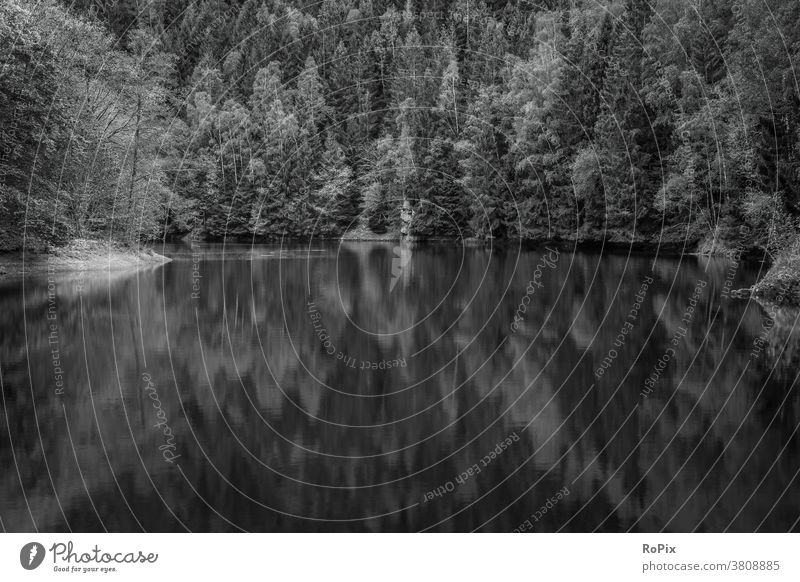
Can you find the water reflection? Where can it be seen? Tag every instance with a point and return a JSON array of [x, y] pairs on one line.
[[368, 386]]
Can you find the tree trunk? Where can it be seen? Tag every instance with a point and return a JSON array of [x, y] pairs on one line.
[[135, 149]]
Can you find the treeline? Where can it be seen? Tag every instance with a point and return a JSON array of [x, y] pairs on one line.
[[667, 118]]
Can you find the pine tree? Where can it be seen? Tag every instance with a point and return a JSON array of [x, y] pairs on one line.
[[624, 132], [334, 199]]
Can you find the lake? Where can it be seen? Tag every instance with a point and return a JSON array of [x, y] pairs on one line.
[[385, 387]]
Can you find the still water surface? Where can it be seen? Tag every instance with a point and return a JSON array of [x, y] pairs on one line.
[[371, 387]]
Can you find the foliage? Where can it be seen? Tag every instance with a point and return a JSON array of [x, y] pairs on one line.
[[275, 118]]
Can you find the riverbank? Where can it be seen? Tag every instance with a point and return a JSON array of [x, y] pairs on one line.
[[79, 255], [781, 285], [674, 241], [362, 233]]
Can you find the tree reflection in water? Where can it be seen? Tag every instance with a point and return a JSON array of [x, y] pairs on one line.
[[276, 431]]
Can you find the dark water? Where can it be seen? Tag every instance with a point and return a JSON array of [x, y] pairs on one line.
[[364, 387]]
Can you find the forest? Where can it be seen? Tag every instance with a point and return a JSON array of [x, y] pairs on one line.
[[585, 120]]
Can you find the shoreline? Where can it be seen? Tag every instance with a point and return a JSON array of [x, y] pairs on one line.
[[80, 255], [667, 245], [779, 287]]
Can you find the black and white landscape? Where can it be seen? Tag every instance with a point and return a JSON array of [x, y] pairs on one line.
[[385, 265]]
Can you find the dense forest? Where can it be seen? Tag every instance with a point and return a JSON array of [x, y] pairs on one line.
[[620, 119]]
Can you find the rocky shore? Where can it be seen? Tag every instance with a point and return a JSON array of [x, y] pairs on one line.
[[781, 285]]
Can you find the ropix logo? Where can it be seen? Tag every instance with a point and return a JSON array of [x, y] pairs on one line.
[[31, 555]]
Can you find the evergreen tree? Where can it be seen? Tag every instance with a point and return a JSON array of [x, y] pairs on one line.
[[280, 118]]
